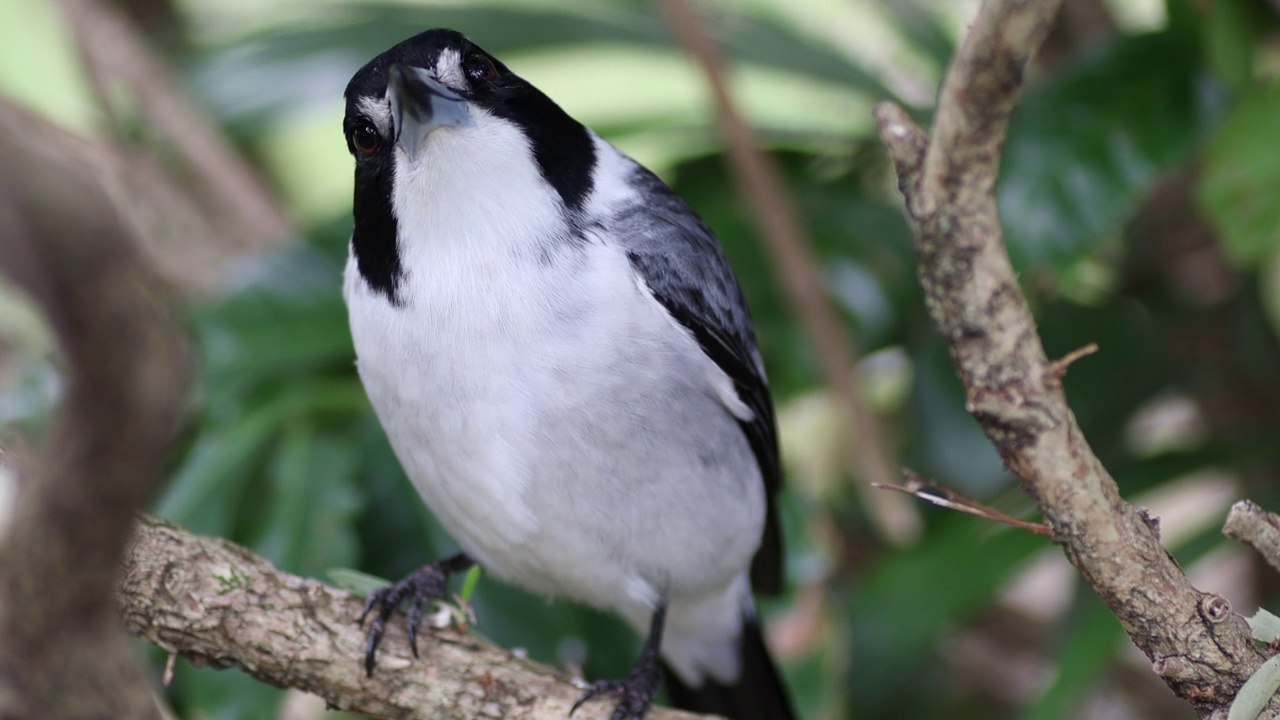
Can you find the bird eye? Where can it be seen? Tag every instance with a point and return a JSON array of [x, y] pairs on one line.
[[365, 139], [480, 68]]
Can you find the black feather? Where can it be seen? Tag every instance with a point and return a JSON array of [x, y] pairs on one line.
[[759, 693]]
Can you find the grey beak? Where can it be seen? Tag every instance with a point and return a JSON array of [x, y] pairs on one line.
[[420, 104]]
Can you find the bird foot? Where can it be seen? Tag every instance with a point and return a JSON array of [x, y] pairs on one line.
[[635, 693], [420, 588]]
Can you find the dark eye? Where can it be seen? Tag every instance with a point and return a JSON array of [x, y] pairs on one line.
[[365, 139], [480, 68]]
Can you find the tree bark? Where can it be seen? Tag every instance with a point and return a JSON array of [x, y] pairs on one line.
[[1257, 528], [1014, 390], [217, 603]]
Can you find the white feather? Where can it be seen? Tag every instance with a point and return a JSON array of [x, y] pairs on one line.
[[561, 425]]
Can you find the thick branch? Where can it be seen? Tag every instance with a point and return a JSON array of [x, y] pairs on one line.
[[63, 654], [1256, 528], [1012, 388], [217, 603]]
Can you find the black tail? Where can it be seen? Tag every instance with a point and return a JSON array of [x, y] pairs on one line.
[[757, 695]]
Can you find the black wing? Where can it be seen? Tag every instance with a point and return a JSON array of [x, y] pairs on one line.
[[685, 268]]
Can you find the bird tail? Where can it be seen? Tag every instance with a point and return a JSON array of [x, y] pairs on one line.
[[757, 694]]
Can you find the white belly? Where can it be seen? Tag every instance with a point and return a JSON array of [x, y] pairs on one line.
[[550, 423]]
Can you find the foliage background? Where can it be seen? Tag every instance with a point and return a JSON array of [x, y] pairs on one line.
[[1139, 193]]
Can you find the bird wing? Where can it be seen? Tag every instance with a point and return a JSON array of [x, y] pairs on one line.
[[684, 267]]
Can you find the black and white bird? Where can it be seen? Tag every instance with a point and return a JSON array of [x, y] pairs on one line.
[[566, 369]]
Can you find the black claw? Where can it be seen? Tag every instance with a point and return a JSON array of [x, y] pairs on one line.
[[425, 585], [368, 605], [415, 619], [635, 693], [370, 650]]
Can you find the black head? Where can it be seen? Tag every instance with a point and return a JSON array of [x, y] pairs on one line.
[[561, 146]]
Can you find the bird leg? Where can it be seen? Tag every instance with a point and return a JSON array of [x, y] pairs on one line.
[[636, 692], [421, 587]]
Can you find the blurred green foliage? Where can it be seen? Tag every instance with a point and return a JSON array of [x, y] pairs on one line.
[[1140, 191]]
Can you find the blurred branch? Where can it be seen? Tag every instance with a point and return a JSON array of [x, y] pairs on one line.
[[63, 241], [767, 199], [1256, 528], [116, 53], [1012, 389], [218, 604], [182, 244], [1079, 24]]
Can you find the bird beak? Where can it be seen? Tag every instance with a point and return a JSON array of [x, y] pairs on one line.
[[420, 104]]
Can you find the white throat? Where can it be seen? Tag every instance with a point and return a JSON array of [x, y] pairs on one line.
[[473, 189]]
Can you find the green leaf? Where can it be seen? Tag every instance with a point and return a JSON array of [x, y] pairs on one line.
[[285, 315], [1256, 691], [1241, 177], [205, 493], [1083, 152], [207, 490], [1231, 32], [314, 503], [356, 581], [470, 582], [1264, 626]]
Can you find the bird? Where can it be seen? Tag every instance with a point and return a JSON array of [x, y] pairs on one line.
[[566, 368]]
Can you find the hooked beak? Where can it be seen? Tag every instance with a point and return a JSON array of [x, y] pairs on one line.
[[420, 104]]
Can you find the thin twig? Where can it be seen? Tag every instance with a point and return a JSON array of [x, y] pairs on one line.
[[933, 493], [1058, 368], [1013, 390], [767, 199]]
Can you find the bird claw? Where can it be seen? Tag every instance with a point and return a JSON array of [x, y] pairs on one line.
[[635, 694], [424, 585]]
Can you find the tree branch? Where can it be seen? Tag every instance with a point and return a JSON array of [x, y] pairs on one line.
[[63, 241], [1012, 390], [1256, 528], [219, 604], [116, 53]]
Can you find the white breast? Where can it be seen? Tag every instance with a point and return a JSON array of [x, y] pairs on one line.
[[552, 415]]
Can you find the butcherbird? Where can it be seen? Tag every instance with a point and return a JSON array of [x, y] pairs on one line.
[[565, 366]]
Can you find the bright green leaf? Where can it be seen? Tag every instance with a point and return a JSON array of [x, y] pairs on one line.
[[470, 582]]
